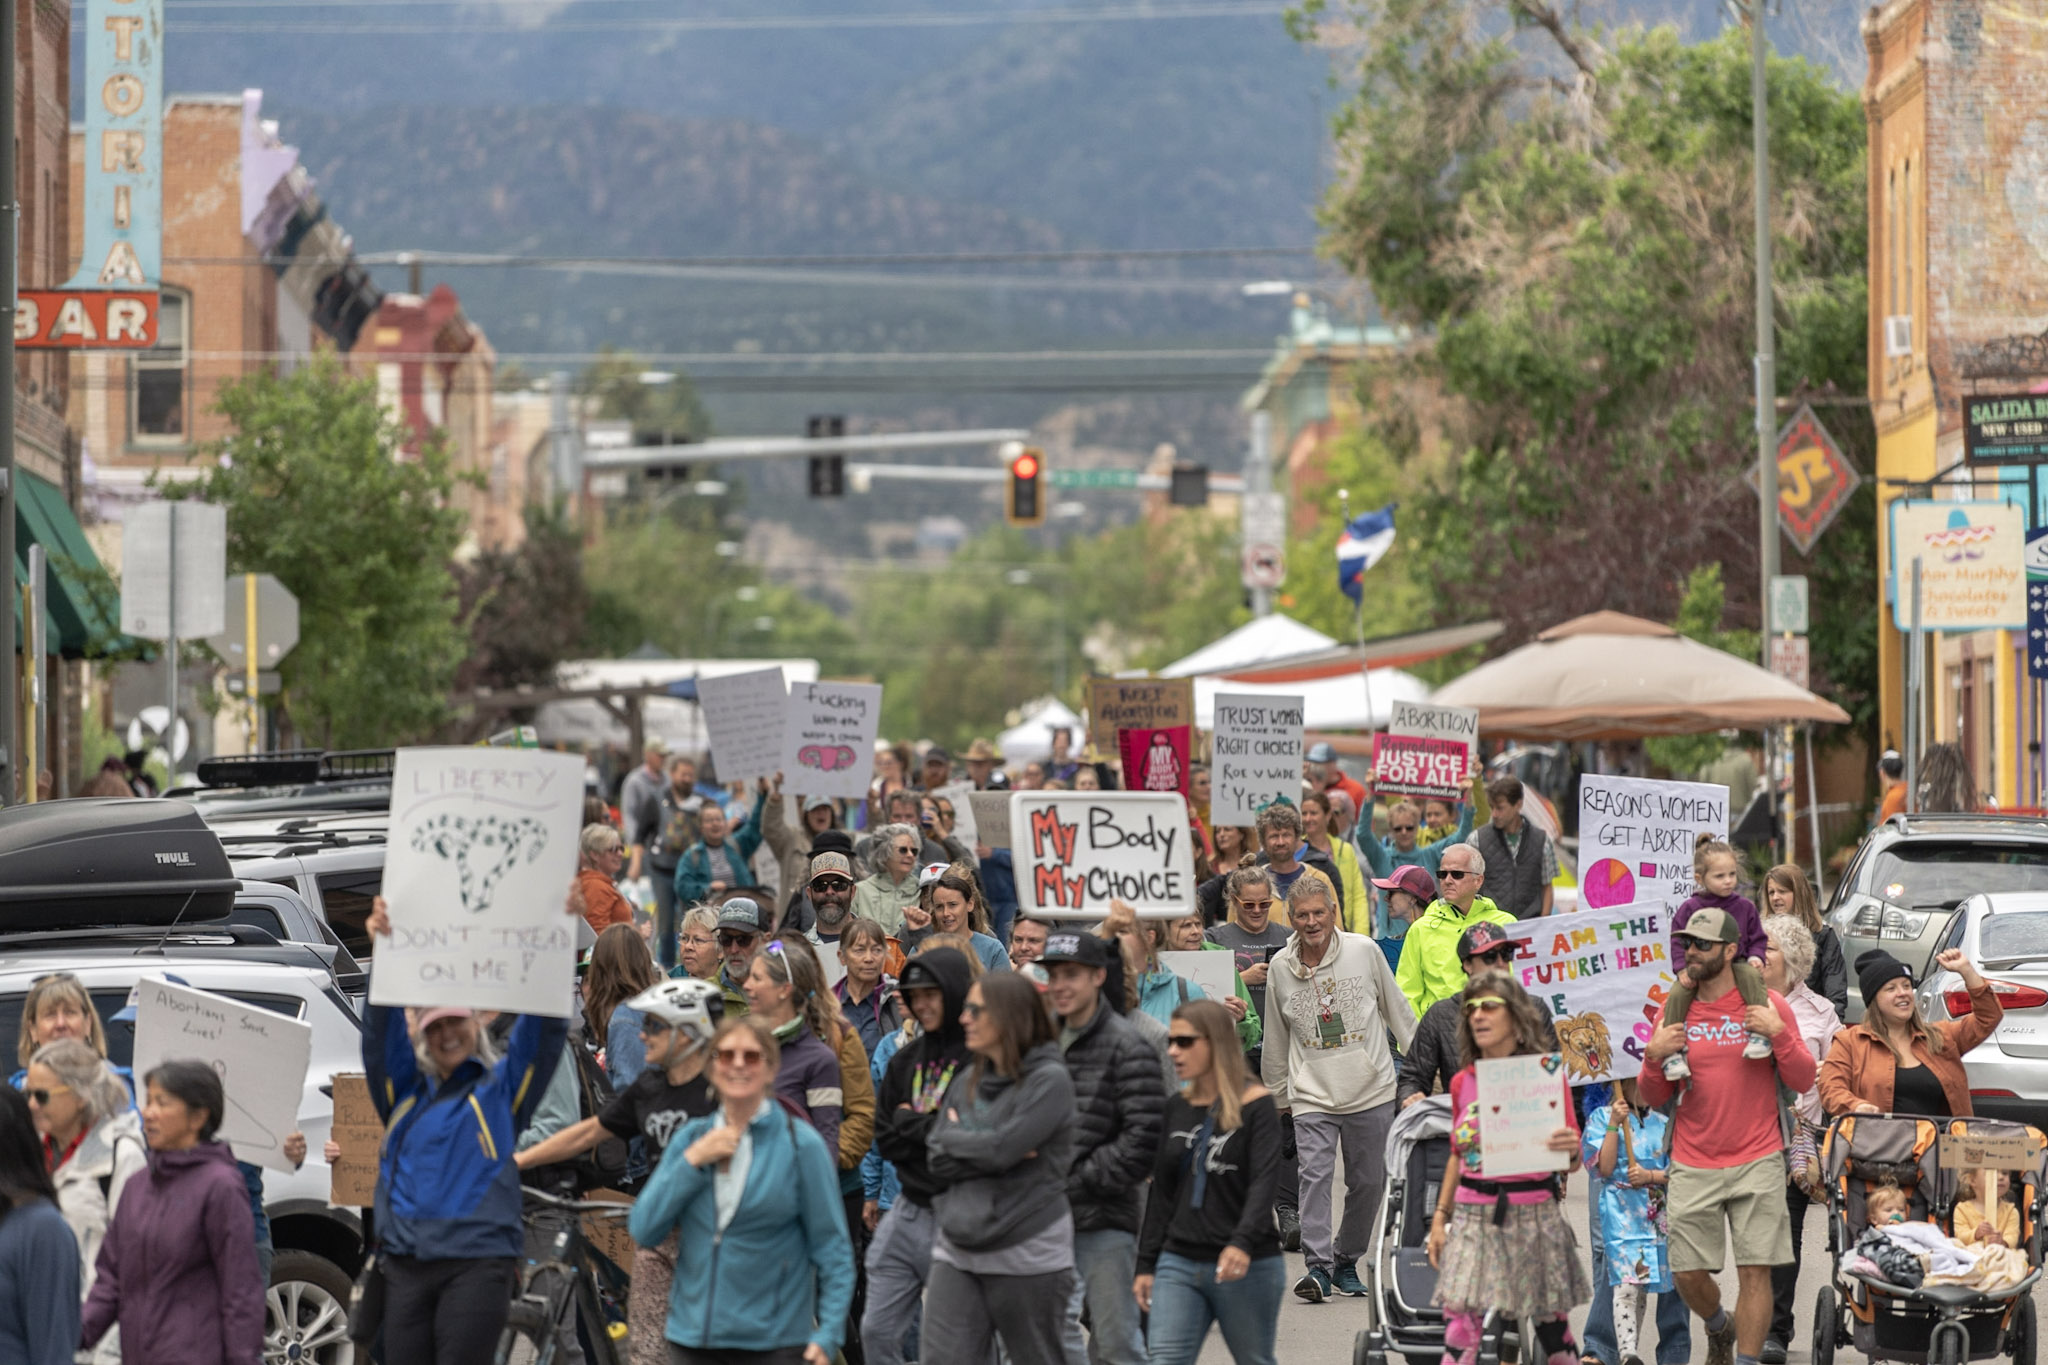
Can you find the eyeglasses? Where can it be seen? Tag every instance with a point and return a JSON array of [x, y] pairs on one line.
[[1485, 1002], [741, 1056], [1181, 1040], [970, 1010], [41, 1098], [650, 1027], [1499, 957], [905, 850], [730, 938], [1403, 829], [54, 976], [1451, 874], [1266, 904]]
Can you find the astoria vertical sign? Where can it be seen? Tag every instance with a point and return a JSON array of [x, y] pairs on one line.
[[111, 302]]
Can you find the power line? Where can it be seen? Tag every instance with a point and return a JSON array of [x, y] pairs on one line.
[[535, 260], [1218, 9]]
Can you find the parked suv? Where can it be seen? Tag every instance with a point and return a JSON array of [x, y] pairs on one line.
[[2007, 937], [1911, 873], [334, 863]]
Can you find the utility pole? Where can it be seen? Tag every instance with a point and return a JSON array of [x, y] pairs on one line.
[[10, 283], [1258, 479], [1766, 375]]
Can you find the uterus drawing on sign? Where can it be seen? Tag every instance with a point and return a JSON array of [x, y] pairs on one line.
[[826, 757], [483, 848]]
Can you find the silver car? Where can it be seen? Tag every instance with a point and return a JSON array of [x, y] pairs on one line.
[[2006, 935]]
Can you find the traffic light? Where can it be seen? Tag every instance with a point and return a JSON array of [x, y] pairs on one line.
[[828, 472], [1189, 486], [1025, 505]]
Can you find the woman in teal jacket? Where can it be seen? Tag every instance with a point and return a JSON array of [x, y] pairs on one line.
[[755, 1196], [719, 856]]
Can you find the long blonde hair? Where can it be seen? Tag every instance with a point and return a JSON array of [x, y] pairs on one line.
[[1226, 1059], [59, 986]]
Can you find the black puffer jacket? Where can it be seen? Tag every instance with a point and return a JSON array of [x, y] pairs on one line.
[[1119, 1104], [921, 1072], [1432, 1057]]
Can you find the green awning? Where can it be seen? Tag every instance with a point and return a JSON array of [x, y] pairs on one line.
[[83, 614]]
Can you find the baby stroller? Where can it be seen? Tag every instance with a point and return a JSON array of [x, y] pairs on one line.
[[1399, 1278], [1932, 1324]]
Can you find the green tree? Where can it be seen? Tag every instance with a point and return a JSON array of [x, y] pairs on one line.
[[657, 402], [524, 608], [317, 494]]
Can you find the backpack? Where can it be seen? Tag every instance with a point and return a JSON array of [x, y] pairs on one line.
[[603, 1166], [678, 831]]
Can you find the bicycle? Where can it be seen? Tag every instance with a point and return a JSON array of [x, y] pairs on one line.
[[567, 1279]]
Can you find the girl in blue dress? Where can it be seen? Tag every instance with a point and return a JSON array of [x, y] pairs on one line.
[[1626, 1145]]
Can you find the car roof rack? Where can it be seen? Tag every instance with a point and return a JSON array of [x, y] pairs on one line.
[[294, 768], [239, 941], [1906, 821]]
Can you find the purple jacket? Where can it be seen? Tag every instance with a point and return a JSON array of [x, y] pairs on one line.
[[1740, 909], [178, 1267]]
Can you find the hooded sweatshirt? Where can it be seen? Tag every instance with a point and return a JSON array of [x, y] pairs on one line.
[[1004, 1146], [1325, 1048], [920, 1074], [178, 1266]]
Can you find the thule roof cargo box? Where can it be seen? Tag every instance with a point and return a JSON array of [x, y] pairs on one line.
[[69, 864]]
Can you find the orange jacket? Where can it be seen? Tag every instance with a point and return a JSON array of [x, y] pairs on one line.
[[1860, 1065], [603, 906]]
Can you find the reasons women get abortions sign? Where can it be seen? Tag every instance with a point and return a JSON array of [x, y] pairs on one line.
[[1075, 852]]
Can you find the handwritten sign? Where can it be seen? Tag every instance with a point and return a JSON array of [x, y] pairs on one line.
[[261, 1057], [477, 870], [966, 828], [1256, 754], [1423, 720], [1602, 975], [1155, 760], [606, 1232], [1215, 973], [991, 817], [829, 746], [1075, 852], [1636, 837], [747, 715], [358, 1132], [1522, 1101], [1137, 704], [2008, 1151], [1429, 769]]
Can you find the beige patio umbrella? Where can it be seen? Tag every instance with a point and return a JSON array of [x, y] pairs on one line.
[[1611, 676]]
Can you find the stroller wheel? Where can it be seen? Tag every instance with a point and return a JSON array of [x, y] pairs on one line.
[[1362, 1352], [1824, 1328], [2019, 1334]]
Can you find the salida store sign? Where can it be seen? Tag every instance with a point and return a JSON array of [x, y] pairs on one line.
[[111, 302]]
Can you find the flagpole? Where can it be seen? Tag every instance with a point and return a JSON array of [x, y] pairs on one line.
[[1364, 668]]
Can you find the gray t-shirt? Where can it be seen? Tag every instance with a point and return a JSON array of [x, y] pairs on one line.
[[1249, 948], [1041, 1253]]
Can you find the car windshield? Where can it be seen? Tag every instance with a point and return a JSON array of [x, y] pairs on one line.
[[1923, 875], [2013, 936]]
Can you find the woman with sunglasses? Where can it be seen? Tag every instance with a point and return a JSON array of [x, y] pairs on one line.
[[764, 1269], [1432, 1058], [1209, 1251], [39, 1292], [1003, 1255], [1229, 845], [1501, 1242], [92, 1146]]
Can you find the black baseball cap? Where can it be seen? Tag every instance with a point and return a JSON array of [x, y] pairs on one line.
[[1072, 945], [1482, 937]]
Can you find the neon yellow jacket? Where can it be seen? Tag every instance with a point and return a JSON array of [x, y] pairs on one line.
[[1430, 970], [1358, 897]]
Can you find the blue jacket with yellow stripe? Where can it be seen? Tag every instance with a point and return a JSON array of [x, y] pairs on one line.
[[446, 1186]]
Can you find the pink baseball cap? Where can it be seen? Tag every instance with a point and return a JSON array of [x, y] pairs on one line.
[[440, 1012]]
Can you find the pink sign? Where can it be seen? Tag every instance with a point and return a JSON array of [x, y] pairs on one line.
[[1155, 760], [1411, 765]]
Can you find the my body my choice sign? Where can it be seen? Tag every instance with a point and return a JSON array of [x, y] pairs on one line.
[[1075, 852]]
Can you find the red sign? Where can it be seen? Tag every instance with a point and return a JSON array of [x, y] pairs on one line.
[[1155, 760], [1410, 765], [85, 320], [1815, 480]]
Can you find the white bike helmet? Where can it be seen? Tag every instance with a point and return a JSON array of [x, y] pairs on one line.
[[684, 1003]]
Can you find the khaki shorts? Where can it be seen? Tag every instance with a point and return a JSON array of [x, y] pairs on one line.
[[1751, 1198]]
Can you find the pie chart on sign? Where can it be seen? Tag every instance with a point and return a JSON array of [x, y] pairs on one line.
[[1609, 882]]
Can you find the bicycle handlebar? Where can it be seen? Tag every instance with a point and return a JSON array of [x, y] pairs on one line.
[[598, 1206]]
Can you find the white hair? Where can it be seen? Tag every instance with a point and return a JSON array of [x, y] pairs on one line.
[[1478, 863]]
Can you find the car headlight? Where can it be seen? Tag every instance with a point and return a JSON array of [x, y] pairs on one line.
[[1907, 924]]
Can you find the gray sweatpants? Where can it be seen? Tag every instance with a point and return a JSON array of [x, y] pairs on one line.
[[899, 1262], [1362, 1137], [964, 1314]]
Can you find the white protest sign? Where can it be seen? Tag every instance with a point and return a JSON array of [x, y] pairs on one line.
[[1522, 1101], [1602, 976], [1422, 720], [746, 715], [1636, 837], [477, 872], [960, 796], [1215, 973], [260, 1056], [1255, 756], [991, 817], [1074, 852], [828, 747]]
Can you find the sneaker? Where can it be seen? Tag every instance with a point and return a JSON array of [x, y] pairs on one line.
[[1675, 1067], [1721, 1345], [1290, 1228], [1631, 1359], [1773, 1352], [1315, 1287], [1757, 1048], [1346, 1282]]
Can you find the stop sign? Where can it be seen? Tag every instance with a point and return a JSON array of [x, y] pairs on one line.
[[277, 622]]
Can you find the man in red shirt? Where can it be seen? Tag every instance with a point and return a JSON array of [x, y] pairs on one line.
[[1726, 1162]]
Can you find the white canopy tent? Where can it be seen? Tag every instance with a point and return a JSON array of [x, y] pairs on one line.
[[1032, 738], [1263, 640], [679, 724]]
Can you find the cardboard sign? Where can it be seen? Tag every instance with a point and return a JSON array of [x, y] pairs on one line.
[[1075, 852], [1427, 769], [2013, 1151], [1137, 704], [829, 746], [1155, 760], [607, 1233], [747, 716], [1603, 976], [477, 870], [991, 817], [966, 828], [359, 1133], [261, 1057], [1420, 720], [1636, 837], [1256, 756], [1215, 973], [1522, 1101]]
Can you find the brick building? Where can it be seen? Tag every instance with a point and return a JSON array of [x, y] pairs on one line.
[[1956, 102]]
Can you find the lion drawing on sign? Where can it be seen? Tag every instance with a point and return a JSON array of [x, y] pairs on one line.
[[1582, 1038]]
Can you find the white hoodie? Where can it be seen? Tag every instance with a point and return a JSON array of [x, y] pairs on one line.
[[1325, 1048]]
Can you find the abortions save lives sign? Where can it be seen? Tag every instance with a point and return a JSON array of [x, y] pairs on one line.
[[1602, 976], [746, 716], [1075, 852], [828, 748], [1636, 837], [477, 870], [1255, 756], [260, 1056]]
